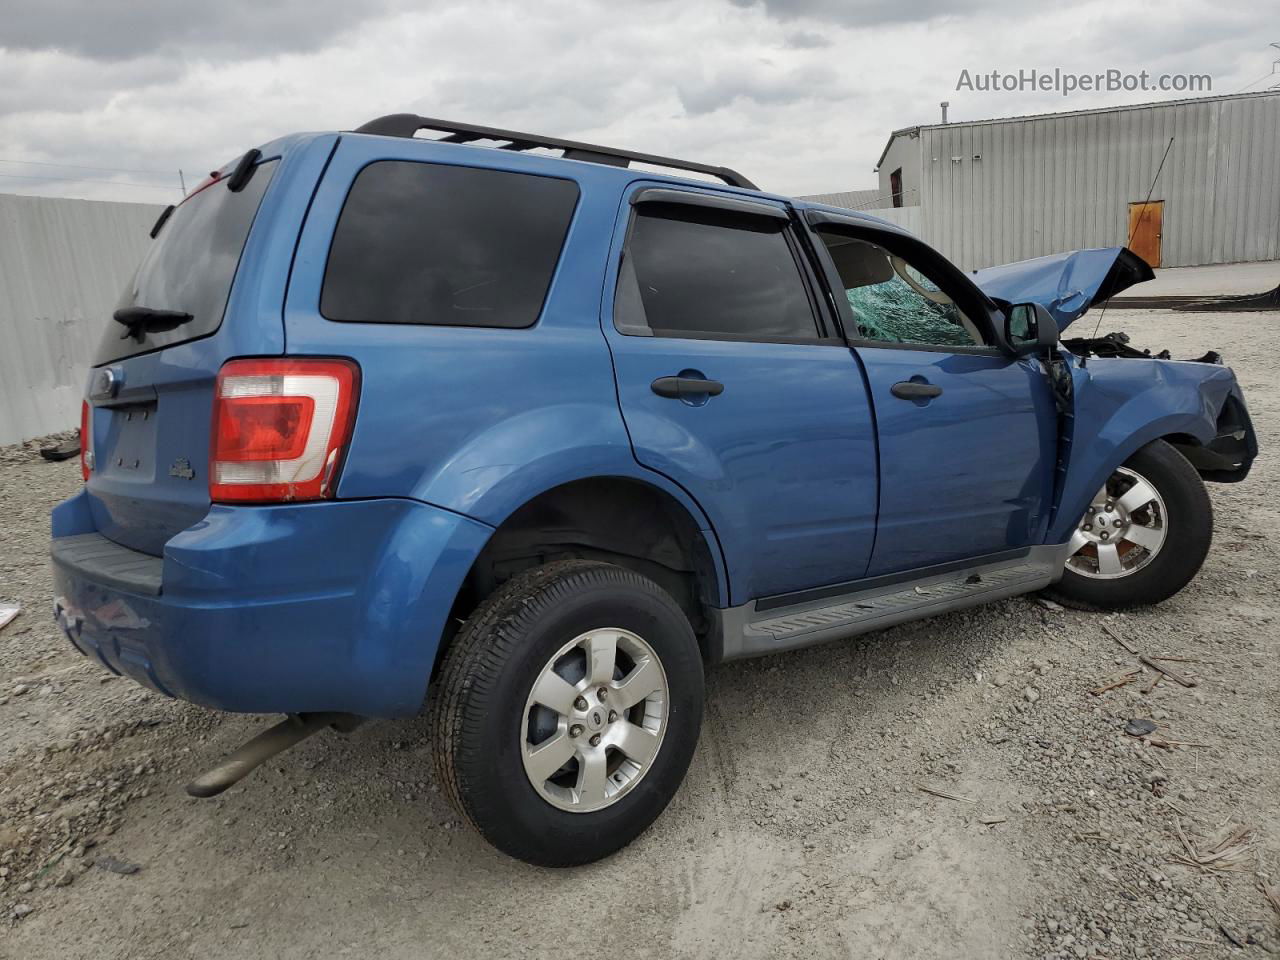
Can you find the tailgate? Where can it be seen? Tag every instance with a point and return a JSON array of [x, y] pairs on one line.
[[151, 391]]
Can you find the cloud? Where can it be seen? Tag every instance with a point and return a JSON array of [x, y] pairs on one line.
[[866, 13], [806, 40], [225, 29], [797, 94], [760, 83], [38, 81]]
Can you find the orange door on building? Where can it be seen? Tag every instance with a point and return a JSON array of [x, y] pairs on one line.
[[1145, 230]]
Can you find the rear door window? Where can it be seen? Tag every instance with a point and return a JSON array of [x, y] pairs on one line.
[[702, 273], [425, 243], [190, 266]]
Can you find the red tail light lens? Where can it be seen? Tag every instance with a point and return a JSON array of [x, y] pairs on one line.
[[264, 428], [86, 439], [280, 429]]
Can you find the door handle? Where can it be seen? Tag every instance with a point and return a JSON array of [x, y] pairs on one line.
[[915, 390], [677, 388]]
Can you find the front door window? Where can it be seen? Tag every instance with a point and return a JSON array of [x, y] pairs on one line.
[[892, 301]]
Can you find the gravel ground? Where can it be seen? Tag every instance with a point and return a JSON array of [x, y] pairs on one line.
[[801, 831]]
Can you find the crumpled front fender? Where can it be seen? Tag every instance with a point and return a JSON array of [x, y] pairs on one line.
[[1121, 405]]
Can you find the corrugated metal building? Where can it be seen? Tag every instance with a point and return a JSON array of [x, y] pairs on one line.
[[63, 264], [995, 191]]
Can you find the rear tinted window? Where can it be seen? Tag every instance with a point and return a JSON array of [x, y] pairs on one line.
[[699, 273], [190, 265], [452, 246]]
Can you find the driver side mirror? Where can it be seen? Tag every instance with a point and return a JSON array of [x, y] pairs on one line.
[[1030, 328]]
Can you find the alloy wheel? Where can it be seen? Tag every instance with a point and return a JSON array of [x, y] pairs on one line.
[[1123, 529], [594, 720]]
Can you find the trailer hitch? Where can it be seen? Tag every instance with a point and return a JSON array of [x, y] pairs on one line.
[[292, 730]]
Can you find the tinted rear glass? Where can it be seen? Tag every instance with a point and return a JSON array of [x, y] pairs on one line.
[[452, 246], [700, 273], [190, 266]]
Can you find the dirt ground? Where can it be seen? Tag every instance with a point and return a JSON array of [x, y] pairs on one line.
[[801, 831]]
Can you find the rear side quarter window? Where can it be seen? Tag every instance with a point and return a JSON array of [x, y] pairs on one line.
[[425, 243]]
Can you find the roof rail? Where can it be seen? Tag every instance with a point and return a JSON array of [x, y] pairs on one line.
[[407, 124]]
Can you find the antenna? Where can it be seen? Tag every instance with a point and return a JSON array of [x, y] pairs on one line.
[[1274, 64], [1146, 205]]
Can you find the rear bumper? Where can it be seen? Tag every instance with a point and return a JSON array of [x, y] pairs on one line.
[[333, 606]]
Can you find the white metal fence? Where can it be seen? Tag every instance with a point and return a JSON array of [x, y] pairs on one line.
[[63, 264], [909, 218]]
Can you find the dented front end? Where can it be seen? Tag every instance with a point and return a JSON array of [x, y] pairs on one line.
[[1114, 398], [1121, 403], [1225, 458]]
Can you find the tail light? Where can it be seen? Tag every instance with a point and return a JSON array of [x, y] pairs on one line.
[[281, 428], [86, 440]]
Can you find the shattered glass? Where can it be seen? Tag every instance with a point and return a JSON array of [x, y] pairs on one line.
[[893, 312]]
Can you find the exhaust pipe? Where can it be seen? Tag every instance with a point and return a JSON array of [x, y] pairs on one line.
[[292, 730]]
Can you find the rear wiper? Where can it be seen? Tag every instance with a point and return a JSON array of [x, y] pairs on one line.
[[161, 220], [139, 321]]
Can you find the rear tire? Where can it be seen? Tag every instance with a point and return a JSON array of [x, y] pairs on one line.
[[562, 633], [1177, 523]]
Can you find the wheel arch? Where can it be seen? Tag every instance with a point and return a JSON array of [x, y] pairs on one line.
[[1085, 478], [639, 522], [1174, 540], [1123, 404]]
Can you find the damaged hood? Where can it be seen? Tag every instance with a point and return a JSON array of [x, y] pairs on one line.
[[1065, 284]]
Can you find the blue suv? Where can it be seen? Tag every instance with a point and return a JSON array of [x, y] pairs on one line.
[[530, 437]]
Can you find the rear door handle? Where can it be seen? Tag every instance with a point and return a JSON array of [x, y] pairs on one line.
[[677, 388], [914, 390]]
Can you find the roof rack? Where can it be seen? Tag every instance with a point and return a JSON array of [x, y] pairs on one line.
[[407, 124]]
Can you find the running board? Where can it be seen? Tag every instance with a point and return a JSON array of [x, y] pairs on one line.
[[748, 632]]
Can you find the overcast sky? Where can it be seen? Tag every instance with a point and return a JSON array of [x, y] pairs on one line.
[[799, 95]]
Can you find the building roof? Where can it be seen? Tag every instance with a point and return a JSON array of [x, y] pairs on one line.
[[849, 199], [915, 130]]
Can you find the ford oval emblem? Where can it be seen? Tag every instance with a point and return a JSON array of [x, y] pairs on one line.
[[106, 382]]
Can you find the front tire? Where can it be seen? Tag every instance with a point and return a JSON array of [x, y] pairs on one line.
[[1144, 536], [567, 711]]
